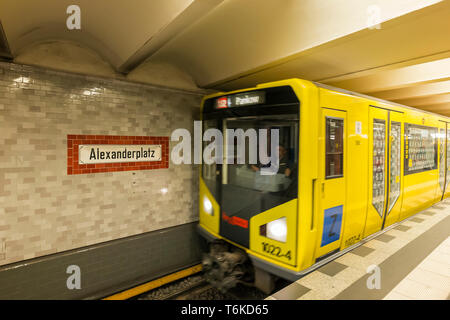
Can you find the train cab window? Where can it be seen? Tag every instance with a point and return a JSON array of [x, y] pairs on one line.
[[246, 190], [334, 148]]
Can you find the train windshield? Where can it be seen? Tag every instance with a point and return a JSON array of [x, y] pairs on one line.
[[241, 184]]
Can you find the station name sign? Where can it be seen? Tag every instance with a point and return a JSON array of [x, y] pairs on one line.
[[88, 154], [92, 154]]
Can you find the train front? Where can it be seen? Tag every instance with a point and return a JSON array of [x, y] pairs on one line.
[[249, 185]]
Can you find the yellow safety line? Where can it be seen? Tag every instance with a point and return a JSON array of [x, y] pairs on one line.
[[155, 283]]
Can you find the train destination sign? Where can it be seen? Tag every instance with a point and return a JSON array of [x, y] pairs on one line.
[[113, 153], [241, 99]]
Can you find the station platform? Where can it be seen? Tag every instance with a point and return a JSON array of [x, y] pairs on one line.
[[411, 261]]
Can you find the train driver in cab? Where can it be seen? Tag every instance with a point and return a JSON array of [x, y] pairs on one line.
[[285, 166]]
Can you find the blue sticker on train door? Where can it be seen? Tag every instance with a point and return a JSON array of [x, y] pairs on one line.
[[332, 225]]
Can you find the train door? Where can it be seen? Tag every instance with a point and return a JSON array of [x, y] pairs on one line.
[[395, 181], [442, 166], [385, 165], [333, 177], [447, 181]]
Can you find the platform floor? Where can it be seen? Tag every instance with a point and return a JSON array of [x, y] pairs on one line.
[[413, 260]]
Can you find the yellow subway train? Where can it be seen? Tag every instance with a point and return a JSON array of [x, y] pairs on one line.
[[351, 166]]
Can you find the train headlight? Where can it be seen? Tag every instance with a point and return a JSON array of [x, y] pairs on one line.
[[276, 230], [207, 206]]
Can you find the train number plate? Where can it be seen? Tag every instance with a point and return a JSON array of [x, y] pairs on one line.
[[275, 251]]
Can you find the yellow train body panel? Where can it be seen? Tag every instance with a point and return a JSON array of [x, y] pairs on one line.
[[347, 195], [209, 222]]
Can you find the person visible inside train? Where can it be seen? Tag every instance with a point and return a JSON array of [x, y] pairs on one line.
[[286, 166]]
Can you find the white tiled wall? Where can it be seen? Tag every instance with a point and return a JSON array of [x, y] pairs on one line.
[[42, 209]]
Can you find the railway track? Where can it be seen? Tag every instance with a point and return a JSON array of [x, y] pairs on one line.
[[196, 288], [188, 288], [185, 293]]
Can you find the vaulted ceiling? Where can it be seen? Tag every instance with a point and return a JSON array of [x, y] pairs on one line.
[[396, 50]]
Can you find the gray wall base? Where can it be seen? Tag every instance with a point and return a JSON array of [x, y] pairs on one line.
[[105, 268]]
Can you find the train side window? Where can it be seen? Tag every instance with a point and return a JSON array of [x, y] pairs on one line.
[[421, 148], [334, 153]]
